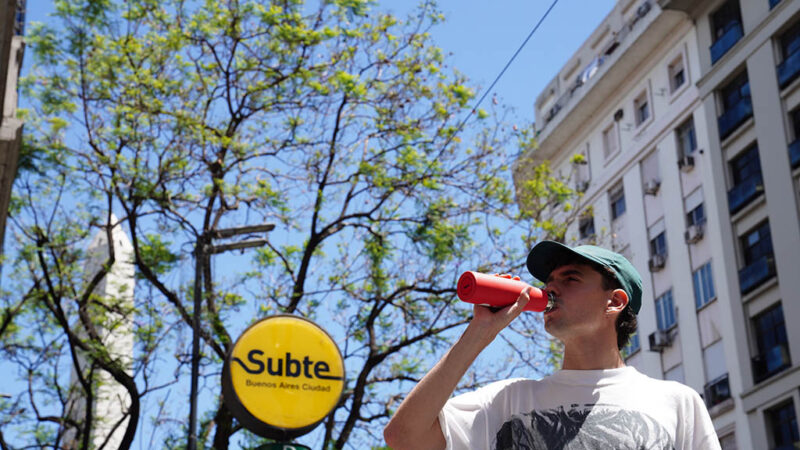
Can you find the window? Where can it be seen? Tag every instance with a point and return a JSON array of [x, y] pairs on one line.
[[687, 138], [703, 285], [757, 244], [734, 99], [610, 141], [735, 91], [726, 26], [658, 245], [783, 427], [677, 75], [617, 199], [746, 166], [790, 41], [794, 147], [789, 68], [586, 227], [746, 177], [724, 18], [796, 123], [771, 343], [633, 345], [759, 266], [716, 389], [665, 311], [697, 216], [641, 108]]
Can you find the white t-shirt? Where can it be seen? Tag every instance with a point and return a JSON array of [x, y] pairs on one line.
[[580, 409]]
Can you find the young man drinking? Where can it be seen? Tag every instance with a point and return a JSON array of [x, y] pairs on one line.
[[593, 402]]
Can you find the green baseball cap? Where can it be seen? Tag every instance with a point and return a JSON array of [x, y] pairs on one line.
[[546, 254]]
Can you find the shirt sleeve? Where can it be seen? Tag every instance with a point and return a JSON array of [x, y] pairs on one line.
[[698, 429], [465, 419]]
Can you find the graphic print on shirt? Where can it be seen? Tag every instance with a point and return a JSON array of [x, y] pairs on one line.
[[583, 427]]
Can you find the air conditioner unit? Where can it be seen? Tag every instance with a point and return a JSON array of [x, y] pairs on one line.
[[694, 233], [582, 186], [657, 262], [686, 164], [651, 187], [659, 340]]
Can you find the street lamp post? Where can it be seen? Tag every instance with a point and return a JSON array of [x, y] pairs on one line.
[[202, 250]]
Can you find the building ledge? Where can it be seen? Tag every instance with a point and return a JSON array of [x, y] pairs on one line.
[[689, 7], [721, 408], [751, 206], [747, 396], [743, 128], [760, 289]]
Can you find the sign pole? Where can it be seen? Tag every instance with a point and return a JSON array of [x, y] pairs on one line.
[[199, 257]]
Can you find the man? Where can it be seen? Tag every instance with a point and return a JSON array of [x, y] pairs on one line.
[[593, 402]]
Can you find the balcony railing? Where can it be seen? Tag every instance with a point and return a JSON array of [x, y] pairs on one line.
[[744, 192], [789, 69], [794, 153], [735, 116], [732, 35], [717, 391], [770, 363], [753, 275]]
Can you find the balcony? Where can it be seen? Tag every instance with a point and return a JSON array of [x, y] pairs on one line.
[[794, 153], [773, 361], [759, 271], [744, 192], [735, 116], [717, 391], [789, 69], [732, 35]]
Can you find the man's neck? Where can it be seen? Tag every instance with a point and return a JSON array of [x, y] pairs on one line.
[[591, 354]]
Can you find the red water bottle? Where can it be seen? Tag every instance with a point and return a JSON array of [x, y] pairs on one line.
[[499, 292]]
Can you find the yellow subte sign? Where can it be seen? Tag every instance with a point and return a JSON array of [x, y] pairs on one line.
[[283, 376]]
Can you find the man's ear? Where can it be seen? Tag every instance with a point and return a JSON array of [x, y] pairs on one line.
[[617, 302]]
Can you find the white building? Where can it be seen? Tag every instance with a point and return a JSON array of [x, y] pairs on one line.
[[111, 401], [12, 46], [688, 113]]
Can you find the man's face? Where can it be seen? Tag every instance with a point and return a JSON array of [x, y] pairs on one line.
[[582, 307]]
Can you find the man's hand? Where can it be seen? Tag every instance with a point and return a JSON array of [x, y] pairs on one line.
[[489, 323]]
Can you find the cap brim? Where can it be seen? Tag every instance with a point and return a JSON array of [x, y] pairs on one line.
[[543, 258]]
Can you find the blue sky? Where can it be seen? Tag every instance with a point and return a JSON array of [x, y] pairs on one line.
[[483, 34]]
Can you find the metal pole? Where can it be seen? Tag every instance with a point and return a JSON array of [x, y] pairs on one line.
[[198, 286], [201, 248]]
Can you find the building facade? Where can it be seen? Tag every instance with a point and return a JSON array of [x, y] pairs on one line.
[[687, 117], [12, 24]]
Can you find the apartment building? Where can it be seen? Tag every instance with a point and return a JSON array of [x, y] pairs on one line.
[[12, 23], [687, 115]]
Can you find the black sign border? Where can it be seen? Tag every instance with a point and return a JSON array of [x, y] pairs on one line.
[[244, 416]]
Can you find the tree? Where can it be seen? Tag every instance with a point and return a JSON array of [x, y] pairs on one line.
[[335, 120]]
